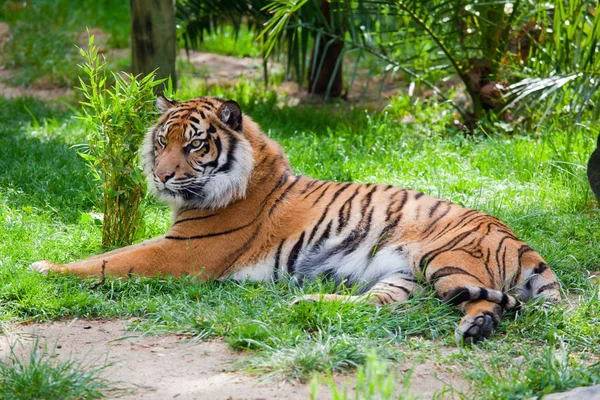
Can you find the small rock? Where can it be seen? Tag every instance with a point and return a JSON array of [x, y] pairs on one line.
[[87, 327], [587, 393], [58, 346]]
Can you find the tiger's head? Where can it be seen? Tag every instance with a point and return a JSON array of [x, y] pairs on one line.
[[197, 155]]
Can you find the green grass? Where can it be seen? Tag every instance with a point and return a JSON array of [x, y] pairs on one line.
[[44, 34], [535, 182], [374, 380], [533, 373], [38, 376]]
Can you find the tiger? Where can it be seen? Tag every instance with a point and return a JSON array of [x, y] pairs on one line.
[[239, 212]]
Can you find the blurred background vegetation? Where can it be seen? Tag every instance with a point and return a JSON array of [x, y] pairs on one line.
[[492, 105], [508, 62]]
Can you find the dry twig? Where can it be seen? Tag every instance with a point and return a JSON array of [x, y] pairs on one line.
[[102, 279]]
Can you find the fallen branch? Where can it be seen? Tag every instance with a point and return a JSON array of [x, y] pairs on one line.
[[102, 279]]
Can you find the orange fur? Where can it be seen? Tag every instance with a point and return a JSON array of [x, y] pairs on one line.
[[239, 211]]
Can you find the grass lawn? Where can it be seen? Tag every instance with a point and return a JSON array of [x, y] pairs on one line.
[[535, 182]]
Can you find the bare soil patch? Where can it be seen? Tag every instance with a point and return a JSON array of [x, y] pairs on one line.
[[171, 366], [9, 92]]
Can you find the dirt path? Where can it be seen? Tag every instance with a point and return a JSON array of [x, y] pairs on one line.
[[169, 366], [156, 367]]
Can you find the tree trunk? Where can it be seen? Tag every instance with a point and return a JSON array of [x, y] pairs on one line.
[[326, 57], [153, 38]]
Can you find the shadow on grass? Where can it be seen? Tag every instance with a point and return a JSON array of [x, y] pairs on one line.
[[39, 168]]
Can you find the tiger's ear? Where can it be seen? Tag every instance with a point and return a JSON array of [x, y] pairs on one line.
[[230, 114], [163, 104]]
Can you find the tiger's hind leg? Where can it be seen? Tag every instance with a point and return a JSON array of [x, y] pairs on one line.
[[393, 289]]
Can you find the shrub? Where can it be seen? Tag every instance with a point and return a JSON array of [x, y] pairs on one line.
[[117, 119]]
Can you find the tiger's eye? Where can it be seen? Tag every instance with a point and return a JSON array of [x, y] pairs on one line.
[[163, 141], [196, 143]]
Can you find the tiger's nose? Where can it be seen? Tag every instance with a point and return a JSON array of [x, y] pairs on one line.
[[164, 176]]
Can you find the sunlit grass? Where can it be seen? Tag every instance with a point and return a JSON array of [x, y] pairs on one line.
[[38, 376], [534, 182]]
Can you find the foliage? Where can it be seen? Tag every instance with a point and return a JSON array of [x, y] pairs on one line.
[[117, 120], [374, 380], [40, 377], [542, 52], [197, 18], [556, 368], [43, 34], [561, 72], [535, 183]]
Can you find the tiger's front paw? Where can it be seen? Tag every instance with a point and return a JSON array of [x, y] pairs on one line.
[[45, 266], [473, 330]]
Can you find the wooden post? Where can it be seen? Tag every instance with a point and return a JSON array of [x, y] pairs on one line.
[[153, 38]]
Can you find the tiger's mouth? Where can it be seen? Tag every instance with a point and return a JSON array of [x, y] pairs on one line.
[[188, 191]]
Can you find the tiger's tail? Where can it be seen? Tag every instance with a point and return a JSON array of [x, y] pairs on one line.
[[472, 293]]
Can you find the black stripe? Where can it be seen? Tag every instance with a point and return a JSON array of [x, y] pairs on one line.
[[219, 146], [324, 214], [401, 205], [309, 184], [457, 296], [547, 286], [355, 238], [321, 195], [277, 256], [434, 207], [205, 100], [447, 271], [241, 250], [540, 268], [325, 235], [344, 213], [429, 256], [501, 265], [294, 254], [391, 299], [435, 221], [315, 189], [504, 300], [285, 192], [397, 287], [483, 294], [522, 250], [208, 235], [194, 219], [461, 221], [486, 263], [230, 156], [419, 195]]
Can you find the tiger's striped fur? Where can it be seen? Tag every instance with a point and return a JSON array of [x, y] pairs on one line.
[[240, 212]]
